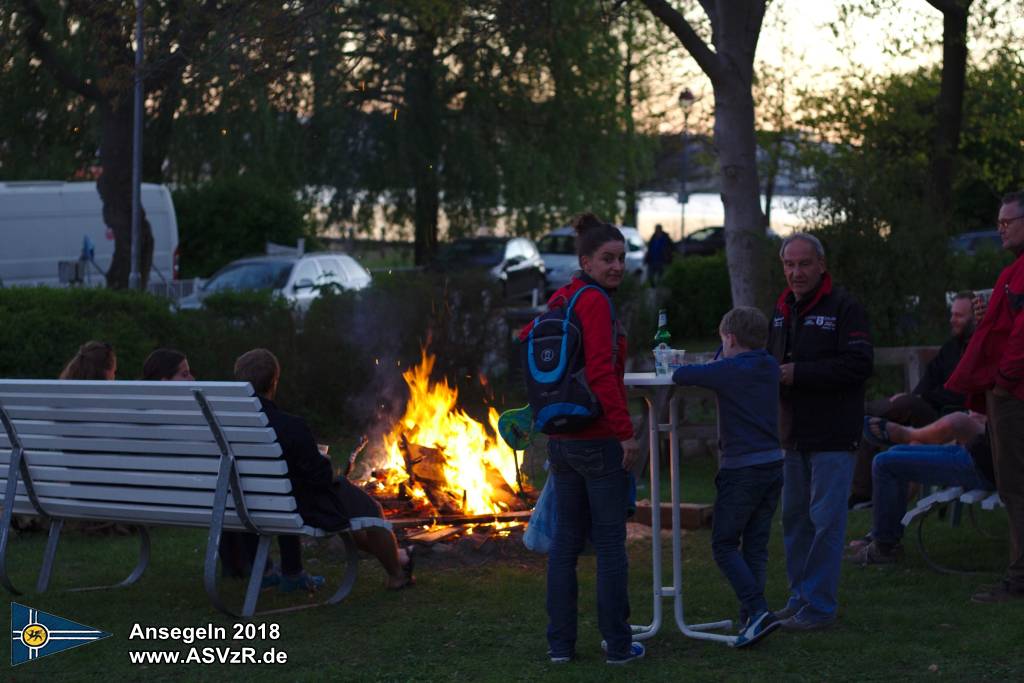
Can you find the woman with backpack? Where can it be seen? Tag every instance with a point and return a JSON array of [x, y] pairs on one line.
[[589, 465]]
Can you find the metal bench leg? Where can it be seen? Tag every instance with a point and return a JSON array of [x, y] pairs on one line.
[[5, 530], [252, 593], [935, 566], [51, 552], [136, 574], [351, 569]]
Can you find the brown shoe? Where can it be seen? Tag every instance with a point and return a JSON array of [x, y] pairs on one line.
[[998, 592], [873, 553]]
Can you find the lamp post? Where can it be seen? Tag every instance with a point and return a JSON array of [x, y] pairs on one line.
[[686, 100], [135, 277]]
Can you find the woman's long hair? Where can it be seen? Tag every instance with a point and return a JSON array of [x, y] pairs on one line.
[[162, 364], [93, 361]]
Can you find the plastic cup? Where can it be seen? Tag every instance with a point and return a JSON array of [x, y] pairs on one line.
[[662, 356]]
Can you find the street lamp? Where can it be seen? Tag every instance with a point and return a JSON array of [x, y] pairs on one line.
[[686, 100], [135, 277]]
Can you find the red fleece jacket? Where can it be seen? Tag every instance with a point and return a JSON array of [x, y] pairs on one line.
[[604, 376], [995, 354]]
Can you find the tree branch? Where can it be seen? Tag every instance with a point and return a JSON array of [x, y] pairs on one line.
[[60, 69], [705, 57]]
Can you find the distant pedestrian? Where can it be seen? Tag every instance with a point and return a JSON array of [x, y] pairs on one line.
[[659, 254]]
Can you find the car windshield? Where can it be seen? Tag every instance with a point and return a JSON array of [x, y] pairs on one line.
[[558, 244], [250, 276], [705, 234], [480, 252]]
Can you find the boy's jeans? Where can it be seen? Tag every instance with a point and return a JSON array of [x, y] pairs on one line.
[[744, 507], [591, 494], [814, 497]]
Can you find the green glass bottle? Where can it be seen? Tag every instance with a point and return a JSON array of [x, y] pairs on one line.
[[663, 336]]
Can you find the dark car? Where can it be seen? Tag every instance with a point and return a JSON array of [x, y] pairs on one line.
[[703, 242], [513, 262], [973, 242]]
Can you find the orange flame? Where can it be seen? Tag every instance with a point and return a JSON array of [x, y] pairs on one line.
[[432, 419]]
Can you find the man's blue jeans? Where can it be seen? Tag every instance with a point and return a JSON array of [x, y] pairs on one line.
[[928, 464], [742, 523], [591, 495], [817, 486]]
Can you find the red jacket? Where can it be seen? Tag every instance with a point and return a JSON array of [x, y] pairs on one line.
[[995, 355], [604, 377]]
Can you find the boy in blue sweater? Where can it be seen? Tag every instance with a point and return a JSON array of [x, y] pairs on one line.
[[749, 479]]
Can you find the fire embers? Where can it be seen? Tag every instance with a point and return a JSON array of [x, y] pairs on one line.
[[438, 461]]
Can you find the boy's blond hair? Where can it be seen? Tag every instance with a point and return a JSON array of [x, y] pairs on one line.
[[749, 325]]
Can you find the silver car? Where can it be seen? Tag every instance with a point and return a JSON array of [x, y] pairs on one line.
[[298, 279]]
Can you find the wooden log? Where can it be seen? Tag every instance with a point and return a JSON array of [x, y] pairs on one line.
[[691, 515], [431, 536], [461, 520]]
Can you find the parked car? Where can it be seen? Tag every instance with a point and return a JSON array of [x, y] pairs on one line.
[[703, 242], [973, 242], [299, 279], [513, 262], [558, 249]]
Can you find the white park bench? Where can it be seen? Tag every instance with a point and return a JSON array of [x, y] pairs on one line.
[[954, 497], [186, 454]]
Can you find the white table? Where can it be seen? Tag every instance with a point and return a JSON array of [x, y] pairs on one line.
[[646, 384]]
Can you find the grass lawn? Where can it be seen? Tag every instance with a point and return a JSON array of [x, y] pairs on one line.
[[485, 620]]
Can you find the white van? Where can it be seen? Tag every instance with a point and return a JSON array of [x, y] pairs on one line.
[[45, 222]]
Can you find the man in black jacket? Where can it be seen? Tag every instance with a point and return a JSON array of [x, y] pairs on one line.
[[819, 335], [927, 402], [324, 501]]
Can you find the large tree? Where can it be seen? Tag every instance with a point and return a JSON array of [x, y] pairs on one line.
[[87, 47], [728, 61], [464, 113]]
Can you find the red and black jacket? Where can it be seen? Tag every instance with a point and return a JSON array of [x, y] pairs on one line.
[[827, 339], [604, 375]]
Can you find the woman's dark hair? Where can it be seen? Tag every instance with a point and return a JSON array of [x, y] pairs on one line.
[[592, 232], [162, 364], [93, 360]]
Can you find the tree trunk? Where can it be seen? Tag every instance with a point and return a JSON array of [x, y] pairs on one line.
[[949, 110], [737, 157], [115, 189], [423, 141]]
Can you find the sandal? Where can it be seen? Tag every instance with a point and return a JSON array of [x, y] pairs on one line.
[[876, 432]]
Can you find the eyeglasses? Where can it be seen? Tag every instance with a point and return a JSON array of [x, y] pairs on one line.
[[1003, 223]]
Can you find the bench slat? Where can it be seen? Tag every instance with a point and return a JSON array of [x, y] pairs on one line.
[[246, 466], [133, 431], [159, 515], [63, 386], [162, 417], [130, 401], [136, 446], [132, 494], [277, 485]]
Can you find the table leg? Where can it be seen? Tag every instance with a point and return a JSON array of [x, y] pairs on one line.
[[642, 632], [691, 630]]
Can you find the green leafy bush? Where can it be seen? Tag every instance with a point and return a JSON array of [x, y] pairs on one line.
[[232, 217], [699, 295]]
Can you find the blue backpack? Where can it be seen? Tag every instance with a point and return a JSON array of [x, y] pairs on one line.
[[556, 384]]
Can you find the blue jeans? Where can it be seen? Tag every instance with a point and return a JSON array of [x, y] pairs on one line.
[[928, 464], [591, 494], [744, 507], [817, 485]]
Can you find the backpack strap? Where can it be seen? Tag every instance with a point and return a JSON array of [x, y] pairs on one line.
[[615, 326]]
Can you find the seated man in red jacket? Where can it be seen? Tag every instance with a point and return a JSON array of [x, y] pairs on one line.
[[991, 374], [324, 501]]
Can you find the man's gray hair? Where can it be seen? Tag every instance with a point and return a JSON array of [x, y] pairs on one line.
[[819, 248]]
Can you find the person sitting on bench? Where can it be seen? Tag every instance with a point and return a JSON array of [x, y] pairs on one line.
[[324, 501], [928, 401], [952, 451]]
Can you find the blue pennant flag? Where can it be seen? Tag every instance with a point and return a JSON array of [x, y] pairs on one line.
[[36, 634]]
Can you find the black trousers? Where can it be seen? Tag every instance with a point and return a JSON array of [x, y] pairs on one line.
[[238, 550]]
